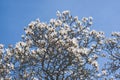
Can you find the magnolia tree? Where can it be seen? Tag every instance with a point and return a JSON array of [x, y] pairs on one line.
[[112, 47], [63, 49]]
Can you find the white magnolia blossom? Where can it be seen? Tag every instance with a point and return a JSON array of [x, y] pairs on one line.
[[65, 12], [104, 72], [8, 51], [20, 44], [84, 19]]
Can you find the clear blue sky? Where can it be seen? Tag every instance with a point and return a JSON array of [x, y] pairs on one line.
[[16, 14]]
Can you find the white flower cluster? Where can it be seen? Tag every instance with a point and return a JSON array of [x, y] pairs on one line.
[[112, 46]]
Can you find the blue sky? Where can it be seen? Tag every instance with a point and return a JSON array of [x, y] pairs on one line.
[[16, 14]]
